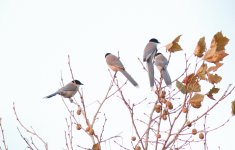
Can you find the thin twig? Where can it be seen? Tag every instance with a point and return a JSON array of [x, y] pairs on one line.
[[3, 136], [26, 140], [28, 130]]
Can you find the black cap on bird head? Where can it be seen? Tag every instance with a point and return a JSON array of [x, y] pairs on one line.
[[154, 40], [107, 54], [158, 54], [77, 82]]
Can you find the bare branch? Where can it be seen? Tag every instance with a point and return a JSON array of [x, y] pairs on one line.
[[3, 136], [28, 130]]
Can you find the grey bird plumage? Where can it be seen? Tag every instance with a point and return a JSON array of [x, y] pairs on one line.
[[68, 91], [116, 65], [149, 53], [161, 63]]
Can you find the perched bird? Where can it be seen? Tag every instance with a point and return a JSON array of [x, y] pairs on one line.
[[149, 53], [161, 63], [68, 90], [116, 65]]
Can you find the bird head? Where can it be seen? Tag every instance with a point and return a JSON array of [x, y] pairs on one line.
[[77, 82], [107, 54], [154, 40], [158, 54]]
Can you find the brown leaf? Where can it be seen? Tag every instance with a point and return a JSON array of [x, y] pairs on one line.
[[189, 78], [200, 48], [174, 46], [214, 56], [219, 56], [192, 83], [233, 107], [196, 100], [219, 41], [193, 87], [212, 91], [214, 78], [201, 72], [214, 68]]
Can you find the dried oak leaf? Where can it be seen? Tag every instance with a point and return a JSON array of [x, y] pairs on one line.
[[212, 91], [219, 41], [216, 52], [192, 83], [201, 72], [200, 48], [196, 100], [214, 56], [174, 46], [214, 78]]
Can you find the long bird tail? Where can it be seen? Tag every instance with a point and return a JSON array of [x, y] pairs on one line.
[[166, 77], [128, 76], [49, 96], [150, 73]]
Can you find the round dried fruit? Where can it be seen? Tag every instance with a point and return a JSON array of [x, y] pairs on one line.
[[165, 112], [189, 124], [164, 117], [158, 108], [137, 147], [194, 131], [91, 131], [88, 128], [79, 110], [201, 135], [78, 126], [185, 110], [169, 105], [158, 136], [133, 138], [163, 100], [163, 94]]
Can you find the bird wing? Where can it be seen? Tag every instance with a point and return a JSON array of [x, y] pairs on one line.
[[149, 51], [69, 87], [112, 60], [129, 77], [161, 61]]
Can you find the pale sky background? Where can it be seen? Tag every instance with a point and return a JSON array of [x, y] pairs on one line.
[[37, 36]]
